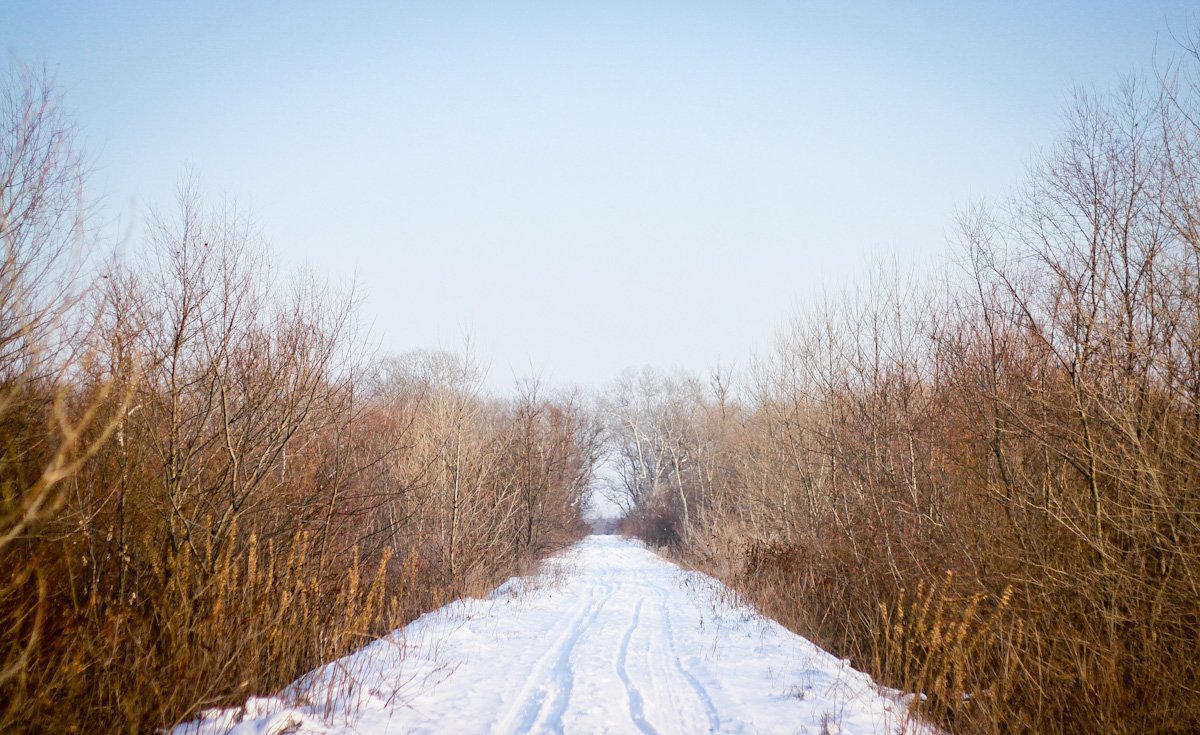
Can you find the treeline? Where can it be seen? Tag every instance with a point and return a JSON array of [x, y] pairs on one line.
[[983, 487], [205, 488]]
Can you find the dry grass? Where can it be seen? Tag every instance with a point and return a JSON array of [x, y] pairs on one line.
[[985, 489], [212, 492]]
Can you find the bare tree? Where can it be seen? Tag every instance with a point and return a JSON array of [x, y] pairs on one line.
[[47, 436]]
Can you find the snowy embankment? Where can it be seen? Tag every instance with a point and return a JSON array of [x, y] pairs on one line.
[[609, 638]]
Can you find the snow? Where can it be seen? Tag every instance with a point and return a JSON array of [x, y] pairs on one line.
[[608, 638]]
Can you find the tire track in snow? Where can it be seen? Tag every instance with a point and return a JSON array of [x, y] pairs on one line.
[[636, 705], [614, 643], [552, 674], [564, 673], [710, 709]]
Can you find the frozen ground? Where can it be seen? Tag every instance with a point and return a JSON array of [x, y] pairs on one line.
[[609, 638]]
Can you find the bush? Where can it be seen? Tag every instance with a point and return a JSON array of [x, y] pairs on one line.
[[984, 489]]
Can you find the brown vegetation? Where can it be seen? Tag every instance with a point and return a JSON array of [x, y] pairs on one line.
[[986, 489], [205, 491]]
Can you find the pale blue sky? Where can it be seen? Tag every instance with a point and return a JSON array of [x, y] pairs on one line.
[[583, 186]]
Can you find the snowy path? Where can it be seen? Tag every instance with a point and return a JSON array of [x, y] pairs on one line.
[[610, 638]]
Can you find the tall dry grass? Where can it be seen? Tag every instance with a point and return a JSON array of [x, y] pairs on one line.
[[206, 490], [983, 486]]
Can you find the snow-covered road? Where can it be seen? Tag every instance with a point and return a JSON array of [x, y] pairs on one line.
[[609, 638]]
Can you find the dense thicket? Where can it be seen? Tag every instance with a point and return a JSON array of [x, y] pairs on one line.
[[205, 491], [986, 489]]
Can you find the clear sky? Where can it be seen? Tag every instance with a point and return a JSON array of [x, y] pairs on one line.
[[583, 186]]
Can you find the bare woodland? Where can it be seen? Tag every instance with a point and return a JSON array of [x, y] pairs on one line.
[[981, 485], [984, 486], [205, 488]]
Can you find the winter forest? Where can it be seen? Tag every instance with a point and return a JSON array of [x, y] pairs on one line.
[[980, 483]]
